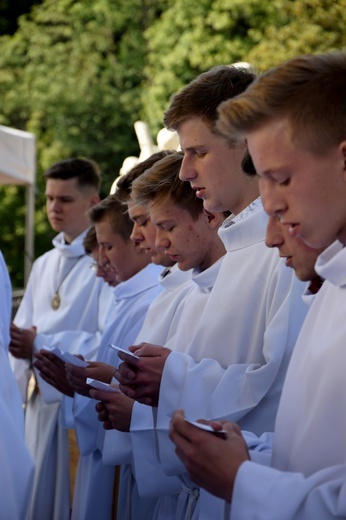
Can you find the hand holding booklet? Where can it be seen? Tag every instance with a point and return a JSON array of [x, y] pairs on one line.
[[100, 385], [67, 357], [127, 352]]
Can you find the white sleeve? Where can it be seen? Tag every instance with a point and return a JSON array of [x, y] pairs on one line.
[[150, 478], [247, 393], [263, 493], [86, 423]]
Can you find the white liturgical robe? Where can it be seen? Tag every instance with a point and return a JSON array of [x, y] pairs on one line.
[[307, 476], [235, 365], [95, 481], [16, 464], [151, 480], [78, 319]]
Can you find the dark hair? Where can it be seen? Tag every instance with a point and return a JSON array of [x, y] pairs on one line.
[[124, 182], [86, 172], [111, 209], [203, 95], [90, 241], [248, 166], [161, 182]]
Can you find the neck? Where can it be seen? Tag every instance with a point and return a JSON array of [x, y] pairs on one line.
[[69, 237], [216, 251], [251, 193]]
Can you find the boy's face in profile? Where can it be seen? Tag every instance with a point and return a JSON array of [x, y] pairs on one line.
[[144, 234], [118, 252], [183, 239], [211, 166], [308, 192], [298, 255]]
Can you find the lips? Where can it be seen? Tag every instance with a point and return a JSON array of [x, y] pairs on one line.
[[289, 262], [200, 193], [172, 256]]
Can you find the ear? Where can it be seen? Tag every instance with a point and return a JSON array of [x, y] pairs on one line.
[[214, 218], [342, 147], [95, 199]]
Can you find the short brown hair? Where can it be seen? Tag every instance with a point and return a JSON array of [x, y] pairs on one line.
[[112, 210], [203, 95], [309, 91], [161, 182], [86, 171]]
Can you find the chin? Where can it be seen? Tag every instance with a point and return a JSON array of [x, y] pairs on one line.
[[155, 260]]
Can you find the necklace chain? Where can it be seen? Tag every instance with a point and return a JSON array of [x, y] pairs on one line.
[[55, 303]]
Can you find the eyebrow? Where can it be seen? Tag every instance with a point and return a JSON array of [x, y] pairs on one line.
[[270, 172], [193, 148], [137, 217], [160, 222]]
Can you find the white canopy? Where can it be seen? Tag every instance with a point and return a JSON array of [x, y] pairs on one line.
[[17, 166]]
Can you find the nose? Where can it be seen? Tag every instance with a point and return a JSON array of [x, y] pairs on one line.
[[54, 205], [274, 236], [103, 258], [161, 242], [136, 235], [187, 170], [273, 202]]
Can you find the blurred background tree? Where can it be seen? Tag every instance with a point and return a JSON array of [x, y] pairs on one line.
[[79, 73]]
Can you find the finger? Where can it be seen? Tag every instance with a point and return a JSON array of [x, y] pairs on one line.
[[125, 371], [108, 425], [99, 407], [99, 395], [76, 381], [47, 379], [127, 358], [146, 400], [178, 422], [103, 416], [128, 390]]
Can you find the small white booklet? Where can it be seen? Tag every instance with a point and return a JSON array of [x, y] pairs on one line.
[[100, 385], [119, 349], [205, 427], [201, 426], [67, 357]]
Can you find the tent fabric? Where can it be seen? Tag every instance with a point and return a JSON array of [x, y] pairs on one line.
[[18, 166], [17, 152]]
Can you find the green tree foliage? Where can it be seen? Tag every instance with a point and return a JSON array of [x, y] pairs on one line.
[[78, 73], [192, 36], [300, 27], [71, 74]]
